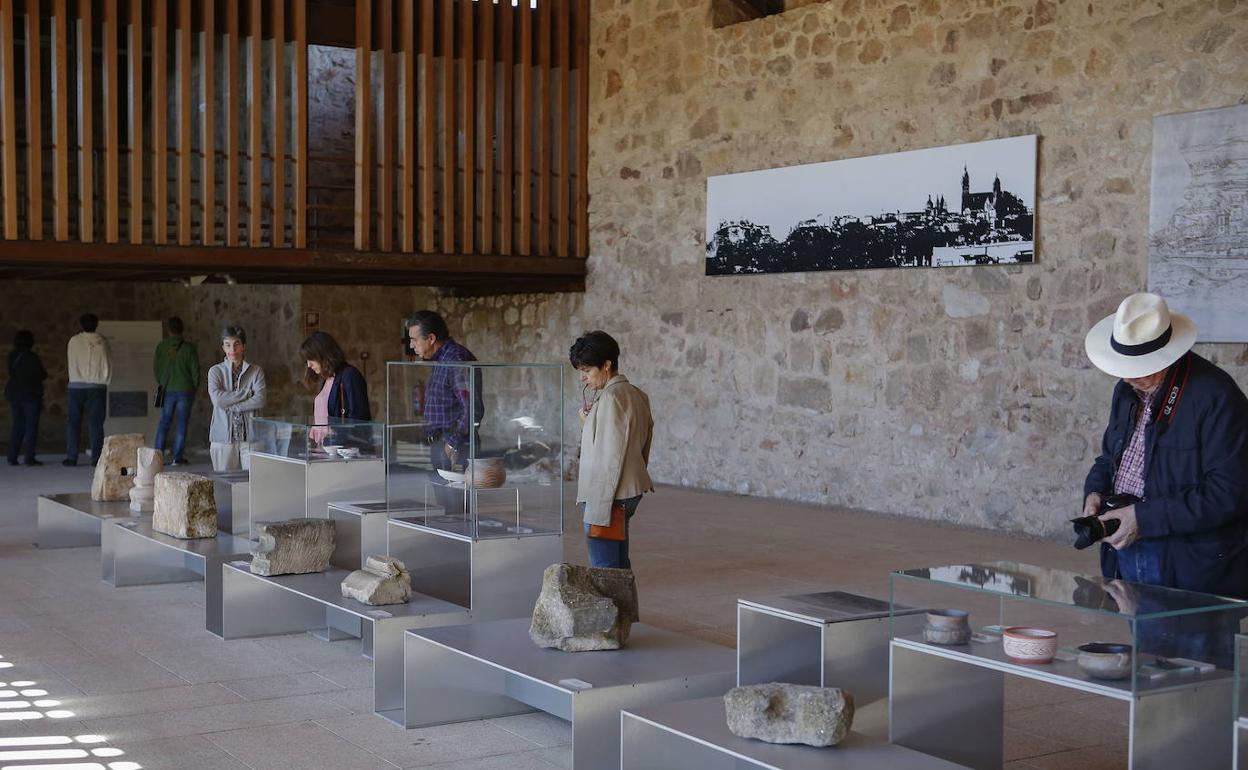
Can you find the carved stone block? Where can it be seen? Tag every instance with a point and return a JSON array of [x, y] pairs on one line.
[[384, 580], [143, 494], [790, 713], [584, 608], [293, 547], [185, 506], [114, 472]]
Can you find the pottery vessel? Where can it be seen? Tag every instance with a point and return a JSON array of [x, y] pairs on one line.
[[947, 627], [1105, 660], [348, 452], [486, 473], [1029, 645]]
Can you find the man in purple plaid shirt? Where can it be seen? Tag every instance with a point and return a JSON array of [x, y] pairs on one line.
[[443, 403]]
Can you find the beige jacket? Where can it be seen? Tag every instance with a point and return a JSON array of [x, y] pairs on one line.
[[615, 450], [89, 359]]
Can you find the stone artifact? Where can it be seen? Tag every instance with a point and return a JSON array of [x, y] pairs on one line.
[[790, 713], [186, 506], [384, 580], [143, 494], [948, 627], [293, 547], [114, 472], [584, 608]]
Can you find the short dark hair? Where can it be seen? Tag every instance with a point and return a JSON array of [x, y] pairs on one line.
[[428, 322], [175, 324], [24, 339], [235, 332], [326, 351], [595, 349], [88, 321]]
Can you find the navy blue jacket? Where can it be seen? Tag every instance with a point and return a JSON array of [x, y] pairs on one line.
[[348, 399], [26, 376], [1195, 481]]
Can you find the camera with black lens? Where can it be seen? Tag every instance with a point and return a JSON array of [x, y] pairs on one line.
[[1093, 529]]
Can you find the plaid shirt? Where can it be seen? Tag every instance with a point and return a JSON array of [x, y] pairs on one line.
[[1130, 475], [444, 403]]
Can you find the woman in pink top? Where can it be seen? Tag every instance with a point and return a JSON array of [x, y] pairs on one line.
[[342, 393]]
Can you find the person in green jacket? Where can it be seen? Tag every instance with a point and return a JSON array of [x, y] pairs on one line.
[[176, 366]]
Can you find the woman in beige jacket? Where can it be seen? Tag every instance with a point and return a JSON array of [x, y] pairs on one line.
[[615, 445]]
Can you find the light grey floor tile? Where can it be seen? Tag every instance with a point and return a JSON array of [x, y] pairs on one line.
[[208, 719], [300, 745], [119, 672], [427, 745], [87, 707], [214, 660], [559, 756], [190, 752], [540, 728], [358, 700], [529, 760], [283, 685]]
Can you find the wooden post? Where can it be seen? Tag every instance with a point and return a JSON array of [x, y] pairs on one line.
[[112, 83], [429, 129], [488, 127], [184, 121], [34, 125], [389, 118], [407, 45], [582, 129], [160, 121], [563, 130], [233, 76], [278, 119], [208, 129], [363, 121], [507, 154], [86, 128], [544, 49], [449, 160], [300, 107], [525, 182], [134, 52], [60, 119], [468, 116], [255, 98]]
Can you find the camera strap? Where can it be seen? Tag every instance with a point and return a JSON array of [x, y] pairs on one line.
[[1172, 393]]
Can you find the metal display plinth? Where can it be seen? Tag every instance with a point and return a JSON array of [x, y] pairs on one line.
[[132, 553], [493, 669], [949, 702], [287, 487], [498, 577], [695, 734], [254, 605], [232, 490], [73, 520], [1241, 743], [827, 639], [359, 532]]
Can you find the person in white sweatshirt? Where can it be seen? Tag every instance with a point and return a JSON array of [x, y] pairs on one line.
[[90, 371]]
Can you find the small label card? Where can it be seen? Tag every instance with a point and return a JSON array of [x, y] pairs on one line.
[[379, 614], [576, 685], [241, 564]]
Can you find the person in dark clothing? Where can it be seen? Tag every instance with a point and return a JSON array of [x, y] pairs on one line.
[[24, 392], [1177, 439], [176, 367], [342, 391]]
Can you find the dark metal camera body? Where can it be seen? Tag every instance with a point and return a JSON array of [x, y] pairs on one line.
[[1092, 529]]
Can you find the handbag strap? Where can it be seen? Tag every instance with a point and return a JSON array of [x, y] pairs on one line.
[[342, 399]]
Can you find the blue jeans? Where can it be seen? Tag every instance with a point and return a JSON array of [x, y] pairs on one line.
[[177, 407], [1141, 562], [25, 434], [92, 401], [612, 553]]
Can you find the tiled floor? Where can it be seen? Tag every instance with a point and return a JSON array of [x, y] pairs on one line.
[[134, 666]]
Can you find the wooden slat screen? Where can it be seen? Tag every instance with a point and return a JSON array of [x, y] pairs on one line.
[[189, 118]]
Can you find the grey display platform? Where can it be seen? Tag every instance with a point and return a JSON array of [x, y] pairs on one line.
[[492, 669], [132, 553], [497, 577], [1241, 737], [288, 487], [254, 605], [232, 490], [825, 639], [359, 532], [694, 734], [949, 701], [73, 520]]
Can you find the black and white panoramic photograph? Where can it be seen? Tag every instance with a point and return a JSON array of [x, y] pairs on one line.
[[966, 204]]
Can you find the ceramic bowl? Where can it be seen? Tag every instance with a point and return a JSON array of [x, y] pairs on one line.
[[947, 627], [331, 449], [1029, 645], [348, 452], [1105, 660], [486, 473]]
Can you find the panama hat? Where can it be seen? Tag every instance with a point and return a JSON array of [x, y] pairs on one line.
[[1142, 338]]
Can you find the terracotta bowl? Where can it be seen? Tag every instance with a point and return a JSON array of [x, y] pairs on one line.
[[1029, 645], [947, 627], [1105, 660]]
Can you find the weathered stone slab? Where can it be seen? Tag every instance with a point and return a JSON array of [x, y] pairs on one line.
[[185, 506], [790, 713], [143, 493], [384, 580], [584, 608], [293, 547], [114, 473]]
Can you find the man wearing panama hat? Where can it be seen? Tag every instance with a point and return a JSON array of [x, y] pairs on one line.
[[1177, 439]]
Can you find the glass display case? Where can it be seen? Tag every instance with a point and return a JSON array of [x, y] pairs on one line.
[[476, 449], [1241, 701], [1168, 652], [333, 440]]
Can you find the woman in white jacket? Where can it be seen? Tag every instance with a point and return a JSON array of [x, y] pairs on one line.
[[615, 447], [236, 389]]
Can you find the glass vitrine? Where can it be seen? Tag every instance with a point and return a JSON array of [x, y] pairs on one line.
[[1169, 653], [333, 440], [1241, 700], [476, 449]]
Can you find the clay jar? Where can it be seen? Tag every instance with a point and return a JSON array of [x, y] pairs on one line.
[[1105, 660], [486, 473], [1029, 645], [947, 627]]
